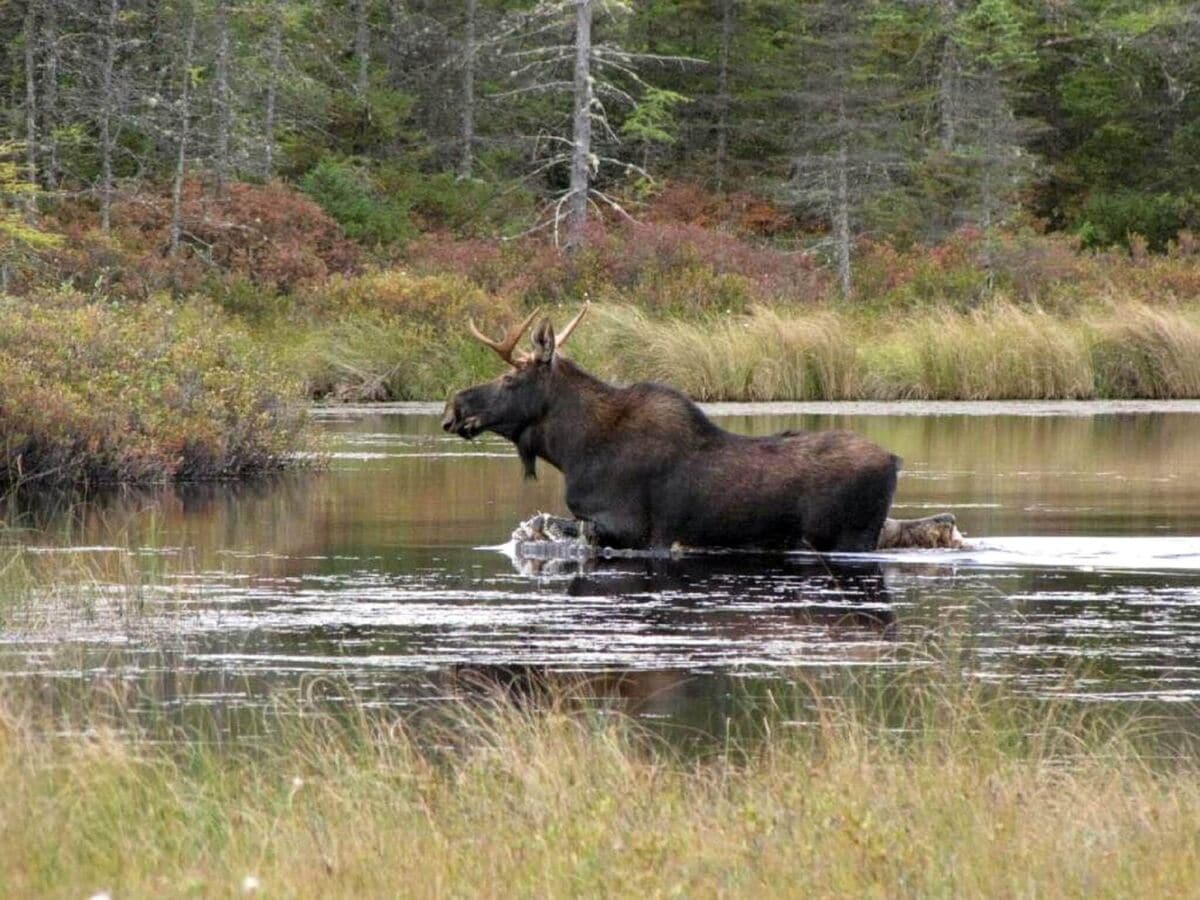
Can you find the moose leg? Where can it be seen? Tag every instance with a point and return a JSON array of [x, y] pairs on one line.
[[929, 533]]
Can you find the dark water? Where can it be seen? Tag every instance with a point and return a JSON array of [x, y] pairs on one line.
[[378, 575]]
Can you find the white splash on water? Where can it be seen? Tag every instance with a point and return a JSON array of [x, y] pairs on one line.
[[1122, 554]]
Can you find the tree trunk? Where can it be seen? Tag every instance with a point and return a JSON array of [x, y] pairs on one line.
[[993, 101], [31, 129], [362, 50], [723, 98], [468, 92], [948, 79], [106, 116], [581, 145], [841, 212], [223, 104], [50, 91], [185, 121], [275, 42]]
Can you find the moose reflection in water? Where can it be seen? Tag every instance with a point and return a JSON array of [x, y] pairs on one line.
[[646, 468], [817, 588], [731, 597]]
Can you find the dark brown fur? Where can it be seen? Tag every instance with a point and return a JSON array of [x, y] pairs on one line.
[[648, 468]]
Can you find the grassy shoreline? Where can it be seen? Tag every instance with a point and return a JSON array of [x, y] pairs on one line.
[[897, 789], [184, 379], [1001, 351]]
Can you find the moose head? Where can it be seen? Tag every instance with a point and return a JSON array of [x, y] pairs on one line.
[[520, 398]]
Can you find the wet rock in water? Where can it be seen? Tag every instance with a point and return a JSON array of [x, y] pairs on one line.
[[930, 533]]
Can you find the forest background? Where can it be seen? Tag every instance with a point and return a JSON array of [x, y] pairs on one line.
[[216, 211]]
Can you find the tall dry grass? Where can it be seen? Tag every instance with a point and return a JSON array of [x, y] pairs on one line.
[[1145, 352], [763, 356], [939, 789], [1001, 351]]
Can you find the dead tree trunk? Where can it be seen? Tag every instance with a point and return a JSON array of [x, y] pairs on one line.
[[31, 124], [275, 60], [185, 124], [723, 98], [50, 91], [362, 50], [948, 80], [106, 116], [466, 163], [581, 140], [224, 115], [841, 209]]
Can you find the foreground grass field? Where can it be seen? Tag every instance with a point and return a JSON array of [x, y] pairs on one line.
[[911, 787]]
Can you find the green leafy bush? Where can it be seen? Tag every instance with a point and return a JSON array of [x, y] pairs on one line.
[[1111, 219], [351, 199], [94, 393], [462, 206]]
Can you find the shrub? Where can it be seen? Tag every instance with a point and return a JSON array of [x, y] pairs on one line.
[[641, 251], [1112, 219], [463, 206], [349, 197], [482, 261], [688, 203], [388, 335], [93, 394], [446, 301], [268, 234]]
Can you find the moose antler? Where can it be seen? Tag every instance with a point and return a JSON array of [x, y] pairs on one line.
[[504, 348], [566, 332]]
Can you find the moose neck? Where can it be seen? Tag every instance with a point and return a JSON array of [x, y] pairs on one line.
[[578, 417]]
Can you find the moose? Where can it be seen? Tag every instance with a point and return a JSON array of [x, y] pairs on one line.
[[645, 468]]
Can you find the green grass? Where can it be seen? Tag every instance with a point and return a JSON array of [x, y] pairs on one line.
[[896, 786]]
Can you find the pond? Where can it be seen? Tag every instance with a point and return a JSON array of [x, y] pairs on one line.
[[382, 578]]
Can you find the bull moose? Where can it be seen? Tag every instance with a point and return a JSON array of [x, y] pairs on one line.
[[646, 468]]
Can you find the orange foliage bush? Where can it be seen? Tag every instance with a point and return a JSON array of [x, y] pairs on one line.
[[270, 235], [687, 203]]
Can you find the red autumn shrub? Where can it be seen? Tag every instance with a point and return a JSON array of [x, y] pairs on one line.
[[440, 253], [777, 273], [688, 203], [274, 236]]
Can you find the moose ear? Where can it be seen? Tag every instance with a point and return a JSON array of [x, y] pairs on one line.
[[543, 342]]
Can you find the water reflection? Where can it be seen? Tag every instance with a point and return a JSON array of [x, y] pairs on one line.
[[375, 578]]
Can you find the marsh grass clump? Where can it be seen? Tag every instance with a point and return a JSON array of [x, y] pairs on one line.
[[388, 335], [877, 784], [1147, 353], [1002, 351], [93, 394], [760, 356]]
